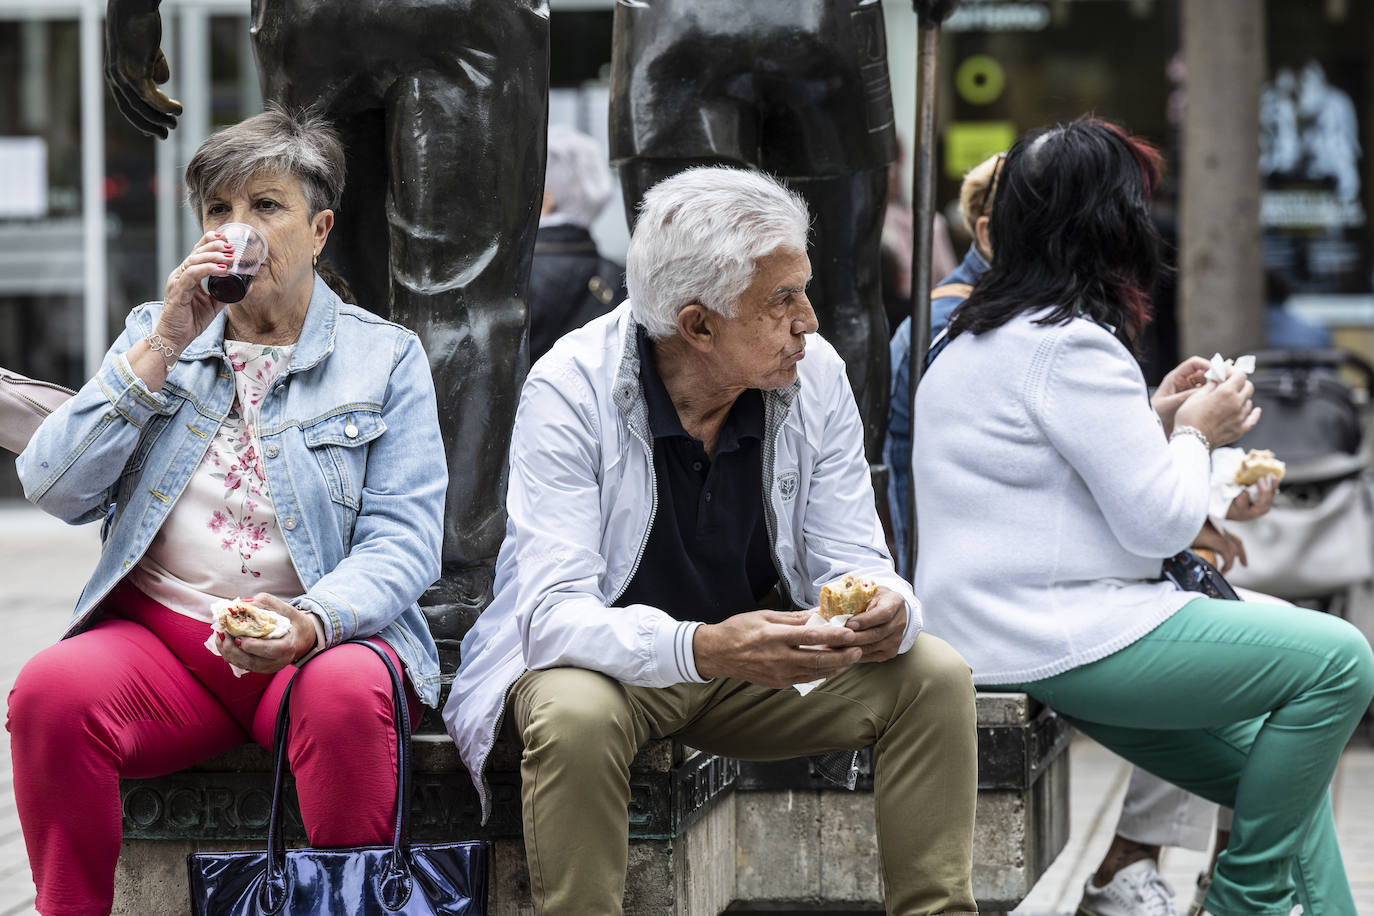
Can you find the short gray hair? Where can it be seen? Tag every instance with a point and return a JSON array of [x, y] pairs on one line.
[[276, 142], [577, 175], [698, 237]]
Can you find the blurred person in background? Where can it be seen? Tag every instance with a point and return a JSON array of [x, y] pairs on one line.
[[975, 203], [897, 243], [570, 282]]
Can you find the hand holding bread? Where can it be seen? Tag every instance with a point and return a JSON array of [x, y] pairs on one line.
[[266, 655]]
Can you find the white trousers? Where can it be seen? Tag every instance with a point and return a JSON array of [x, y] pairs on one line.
[[1159, 813]]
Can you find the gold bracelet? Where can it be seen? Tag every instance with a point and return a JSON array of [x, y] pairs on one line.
[[157, 345]]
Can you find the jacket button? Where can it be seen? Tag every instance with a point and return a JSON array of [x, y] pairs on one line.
[[270, 451], [351, 431], [289, 523]]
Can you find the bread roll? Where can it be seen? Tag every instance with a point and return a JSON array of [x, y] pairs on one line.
[[243, 619], [849, 595], [1257, 465]]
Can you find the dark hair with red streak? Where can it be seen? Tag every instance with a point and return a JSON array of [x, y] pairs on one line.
[[1071, 232]]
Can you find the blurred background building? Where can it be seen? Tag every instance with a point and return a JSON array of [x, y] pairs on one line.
[[90, 213]]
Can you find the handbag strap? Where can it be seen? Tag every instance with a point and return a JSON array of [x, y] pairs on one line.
[[276, 843]]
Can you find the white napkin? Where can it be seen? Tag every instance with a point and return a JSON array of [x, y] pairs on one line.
[[280, 626], [1221, 368], [1225, 463], [1224, 489], [816, 619]]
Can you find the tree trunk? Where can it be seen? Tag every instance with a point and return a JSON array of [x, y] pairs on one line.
[[1221, 279]]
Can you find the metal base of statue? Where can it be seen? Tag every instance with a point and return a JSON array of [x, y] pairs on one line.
[[799, 90], [442, 107]]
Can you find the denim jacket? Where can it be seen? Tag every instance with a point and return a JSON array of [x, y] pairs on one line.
[[351, 446]]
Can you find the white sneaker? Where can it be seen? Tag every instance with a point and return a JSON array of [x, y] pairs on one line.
[[1137, 890]]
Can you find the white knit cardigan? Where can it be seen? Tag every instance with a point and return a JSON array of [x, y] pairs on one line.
[[1047, 497]]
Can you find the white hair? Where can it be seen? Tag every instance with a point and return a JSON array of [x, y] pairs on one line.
[[698, 237], [577, 175]]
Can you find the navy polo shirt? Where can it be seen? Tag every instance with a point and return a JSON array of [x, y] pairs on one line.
[[708, 555]]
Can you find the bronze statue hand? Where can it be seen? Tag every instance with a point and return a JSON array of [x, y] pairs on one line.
[[135, 65]]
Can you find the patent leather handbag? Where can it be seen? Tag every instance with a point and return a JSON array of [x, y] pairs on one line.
[[405, 879], [1191, 573]]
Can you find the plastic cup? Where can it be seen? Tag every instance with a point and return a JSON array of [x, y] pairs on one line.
[[250, 252]]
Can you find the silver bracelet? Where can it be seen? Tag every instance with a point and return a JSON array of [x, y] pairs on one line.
[[158, 345], [1191, 431]]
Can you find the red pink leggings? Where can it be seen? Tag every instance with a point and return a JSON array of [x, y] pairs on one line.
[[139, 695]]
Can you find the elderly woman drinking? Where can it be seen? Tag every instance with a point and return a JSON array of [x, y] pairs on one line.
[[280, 447]]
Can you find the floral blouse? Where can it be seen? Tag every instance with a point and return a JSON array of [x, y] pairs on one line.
[[221, 538]]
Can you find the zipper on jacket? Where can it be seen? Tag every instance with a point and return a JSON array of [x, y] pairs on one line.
[[653, 513], [485, 797], [770, 516]]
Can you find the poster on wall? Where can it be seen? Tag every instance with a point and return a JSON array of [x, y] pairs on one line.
[[1316, 228]]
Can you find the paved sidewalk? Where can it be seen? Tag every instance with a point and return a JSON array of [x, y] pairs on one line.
[[45, 563]]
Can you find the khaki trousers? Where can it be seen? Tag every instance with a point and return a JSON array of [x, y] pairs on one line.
[[581, 729]]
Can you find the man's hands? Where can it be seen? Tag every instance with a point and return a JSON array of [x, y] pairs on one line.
[[268, 656], [879, 629], [135, 66], [765, 647]]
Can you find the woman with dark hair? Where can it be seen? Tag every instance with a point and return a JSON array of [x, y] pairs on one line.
[[1061, 487]]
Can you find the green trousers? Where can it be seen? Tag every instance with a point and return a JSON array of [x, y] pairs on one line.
[[581, 729], [1248, 705]]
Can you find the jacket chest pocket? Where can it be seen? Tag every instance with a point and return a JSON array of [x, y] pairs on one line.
[[339, 444], [147, 438]]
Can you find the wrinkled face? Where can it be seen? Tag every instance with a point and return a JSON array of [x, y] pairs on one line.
[[275, 205], [761, 346]]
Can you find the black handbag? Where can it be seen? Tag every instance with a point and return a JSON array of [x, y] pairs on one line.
[[1192, 573], [434, 879]]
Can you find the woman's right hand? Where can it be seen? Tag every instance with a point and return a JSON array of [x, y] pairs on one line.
[[1223, 413], [187, 309]]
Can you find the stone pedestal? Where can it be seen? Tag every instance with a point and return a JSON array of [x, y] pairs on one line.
[[707, 834], [804, 844]]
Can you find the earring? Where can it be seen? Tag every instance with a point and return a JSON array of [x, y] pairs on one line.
[[316, 262]]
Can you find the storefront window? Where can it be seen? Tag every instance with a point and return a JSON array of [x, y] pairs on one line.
[[43, 211]]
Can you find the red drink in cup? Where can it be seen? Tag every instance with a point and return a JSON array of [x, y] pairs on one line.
[[250, 252]]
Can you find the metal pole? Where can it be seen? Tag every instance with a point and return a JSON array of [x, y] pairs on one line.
[[929, 16], [94, 308]]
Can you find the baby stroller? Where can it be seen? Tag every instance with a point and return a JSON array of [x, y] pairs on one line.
[[1315, 547]]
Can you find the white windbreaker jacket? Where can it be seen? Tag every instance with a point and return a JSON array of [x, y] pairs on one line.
[[583, 497]]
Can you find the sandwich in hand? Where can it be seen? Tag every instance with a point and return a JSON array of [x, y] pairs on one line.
[[1257, 465], [849, 595], [239, 618]]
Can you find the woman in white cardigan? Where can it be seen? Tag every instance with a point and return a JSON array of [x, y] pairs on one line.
[[1050, 489]]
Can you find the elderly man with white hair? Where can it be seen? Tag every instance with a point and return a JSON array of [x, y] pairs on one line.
[[686, 473]]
